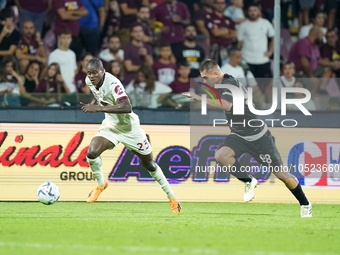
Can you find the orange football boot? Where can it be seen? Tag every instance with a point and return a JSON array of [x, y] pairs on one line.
[[175, 205], [94, 194]]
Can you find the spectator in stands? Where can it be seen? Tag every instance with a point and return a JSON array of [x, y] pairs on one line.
[[113, 51], [287, 80], [329, 7], [9, 36], [182, 82], [30, 81], [69, 13], [253, 37], [53, 82], [81, 75], [202, 17], [174, 16], [222, 32], [245, 77], [112, 21], [331, 50], [305, 6], [92, 25], [144, 90], [235, 12], [136, 53], [128, 11], [143, 17], [10, 82], [305, 55], [30, 47], [164, 69], [193, 5], [267, 7], [189, 51], [318, 21], [115, 68], [31, 76], [66, 59], [34, 10]]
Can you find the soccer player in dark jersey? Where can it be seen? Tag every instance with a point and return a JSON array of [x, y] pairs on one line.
[[257, 141]]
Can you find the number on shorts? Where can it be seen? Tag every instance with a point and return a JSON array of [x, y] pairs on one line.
[[145, 142], [265, 158]]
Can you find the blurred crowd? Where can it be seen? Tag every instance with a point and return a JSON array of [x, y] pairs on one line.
[[155, 48]]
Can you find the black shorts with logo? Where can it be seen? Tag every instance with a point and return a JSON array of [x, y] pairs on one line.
[[263, 150]]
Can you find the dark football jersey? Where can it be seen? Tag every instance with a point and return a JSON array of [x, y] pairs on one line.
[[248, 126]]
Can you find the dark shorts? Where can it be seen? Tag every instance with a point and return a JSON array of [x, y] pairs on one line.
[[263, 150]]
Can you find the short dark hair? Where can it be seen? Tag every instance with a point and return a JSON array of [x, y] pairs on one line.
[[164, 44], [143, 6], [114, 36], [233, 50], [331, 30], [189, 25], [136, 24], [65, 31], [254, 5], [6, 13], [208, 64], [96, 63], [315, 12], [183, 63]]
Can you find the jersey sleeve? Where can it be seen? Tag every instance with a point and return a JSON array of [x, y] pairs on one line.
[[271, 31], [226, 95], [118, 90], [240, 32]]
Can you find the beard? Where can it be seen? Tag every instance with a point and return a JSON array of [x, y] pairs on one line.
[[29, 36], [254, 17], [191, 38], [143, 21], [114, 51]]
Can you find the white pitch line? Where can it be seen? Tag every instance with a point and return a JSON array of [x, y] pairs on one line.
[[108, 247], [152, 249]]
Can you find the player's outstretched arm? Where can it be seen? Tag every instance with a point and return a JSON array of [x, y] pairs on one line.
[[123, 106], [226, 106], [94, 101]]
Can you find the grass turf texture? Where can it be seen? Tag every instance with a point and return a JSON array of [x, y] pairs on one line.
[[151, 228]]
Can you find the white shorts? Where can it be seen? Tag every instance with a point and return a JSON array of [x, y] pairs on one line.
[[134, 140]]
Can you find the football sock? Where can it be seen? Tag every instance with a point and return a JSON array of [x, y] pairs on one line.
[[162, 181], [300, 196], [95, 165], [236, 171]]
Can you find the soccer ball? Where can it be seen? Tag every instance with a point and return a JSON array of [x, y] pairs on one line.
[[48, 193]]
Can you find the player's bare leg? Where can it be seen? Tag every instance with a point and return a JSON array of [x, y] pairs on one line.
[[294, 186], [226, 157], [97, 146], [157, 173]]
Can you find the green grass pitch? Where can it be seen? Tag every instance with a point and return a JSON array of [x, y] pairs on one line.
[[151, 228]]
